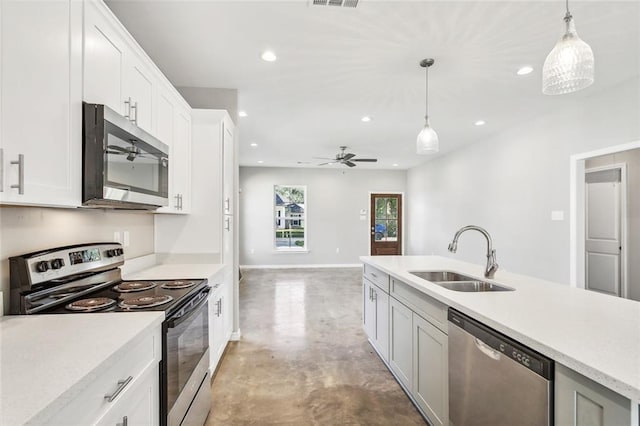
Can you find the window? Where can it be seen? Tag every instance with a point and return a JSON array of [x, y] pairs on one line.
[[290, 217]]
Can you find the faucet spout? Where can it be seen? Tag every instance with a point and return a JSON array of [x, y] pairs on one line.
[[492, 265]]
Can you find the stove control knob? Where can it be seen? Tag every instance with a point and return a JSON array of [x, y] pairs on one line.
[[111, 252], [119, 252], [42, 266], [57, 263]]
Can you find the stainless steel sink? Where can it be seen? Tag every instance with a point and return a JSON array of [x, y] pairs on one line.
[[438, 276], [458, 282], [472, 286]]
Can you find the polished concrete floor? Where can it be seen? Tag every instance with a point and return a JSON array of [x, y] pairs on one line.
[[303, 358]]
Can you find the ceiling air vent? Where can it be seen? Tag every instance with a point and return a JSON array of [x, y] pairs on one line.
[[345, 3]]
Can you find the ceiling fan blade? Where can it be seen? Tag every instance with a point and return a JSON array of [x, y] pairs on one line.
[[324, 164], [349, 163], [115, 152], [366, 160], [348, 157], [322, 158]]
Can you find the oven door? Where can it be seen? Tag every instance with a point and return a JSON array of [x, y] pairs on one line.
[[186, 360]]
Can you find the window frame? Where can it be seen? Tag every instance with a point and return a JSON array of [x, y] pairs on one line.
[[297, 217]]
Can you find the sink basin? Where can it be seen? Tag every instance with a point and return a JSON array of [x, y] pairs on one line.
[[458, 282], [438, 276], [472, 286]]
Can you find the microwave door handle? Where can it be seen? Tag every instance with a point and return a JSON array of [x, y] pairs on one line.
[[182, 318]]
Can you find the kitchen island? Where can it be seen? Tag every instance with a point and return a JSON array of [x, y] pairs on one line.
[[595, 335]]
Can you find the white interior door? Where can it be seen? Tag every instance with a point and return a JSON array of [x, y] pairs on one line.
[[603, 242]]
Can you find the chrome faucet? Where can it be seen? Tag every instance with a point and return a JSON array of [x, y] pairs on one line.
[[492, 266]]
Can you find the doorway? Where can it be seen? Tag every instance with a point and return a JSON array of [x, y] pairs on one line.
[[604, 220], [386, 224]]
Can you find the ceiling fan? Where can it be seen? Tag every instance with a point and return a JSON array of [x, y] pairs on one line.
[[346, 158], [132, 152]]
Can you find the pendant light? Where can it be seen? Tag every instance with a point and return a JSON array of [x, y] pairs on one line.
[[569, 66], [427, 142]]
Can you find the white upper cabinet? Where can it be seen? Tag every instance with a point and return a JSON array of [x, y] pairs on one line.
[[181, 161], [228, 166], [164, 114], [139, 88], [40, 108]]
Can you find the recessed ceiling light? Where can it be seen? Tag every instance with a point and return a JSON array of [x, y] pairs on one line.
[[260, 161], [524, 70], [254, 144], [395, 164], [480, 123], [269, 56], [242, 113], [366, 119]]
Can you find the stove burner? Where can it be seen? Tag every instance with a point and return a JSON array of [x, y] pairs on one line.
[[145, 302], [132, 286], [91, 305], [175, 285]]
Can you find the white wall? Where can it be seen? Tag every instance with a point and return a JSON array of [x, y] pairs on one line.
[[334, 200], [27, 229], [632, 160], [510, 183]]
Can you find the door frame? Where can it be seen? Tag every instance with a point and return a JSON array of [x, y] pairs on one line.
[[577, 214], [402, 243], [624, 261]]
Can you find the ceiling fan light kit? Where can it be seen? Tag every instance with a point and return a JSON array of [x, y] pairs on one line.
[[427, 142], [569, 67]]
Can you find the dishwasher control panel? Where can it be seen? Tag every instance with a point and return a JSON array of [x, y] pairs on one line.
[[497, 341]]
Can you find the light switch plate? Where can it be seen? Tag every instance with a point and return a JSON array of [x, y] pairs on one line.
[[125, 238], [557, 215]]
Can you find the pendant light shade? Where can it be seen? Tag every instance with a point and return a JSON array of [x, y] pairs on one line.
[[427, 142], [569, 66]]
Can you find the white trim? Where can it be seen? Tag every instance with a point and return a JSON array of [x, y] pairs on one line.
[[576, 193], [624, 261], [235, 336], [305, 266], [369, 219]]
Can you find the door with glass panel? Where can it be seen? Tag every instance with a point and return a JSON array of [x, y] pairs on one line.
[[386, 224]]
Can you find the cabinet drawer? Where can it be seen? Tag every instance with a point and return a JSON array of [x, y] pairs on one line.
[[91, 403], [429, 308], [376, 276]]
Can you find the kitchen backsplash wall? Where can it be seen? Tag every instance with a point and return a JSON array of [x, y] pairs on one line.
[[26, 229], [511, 183]]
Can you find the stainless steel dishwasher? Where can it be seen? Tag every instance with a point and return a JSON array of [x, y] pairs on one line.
[[494, 380]]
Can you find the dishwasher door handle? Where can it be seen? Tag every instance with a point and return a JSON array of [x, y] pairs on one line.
[[487, 350]]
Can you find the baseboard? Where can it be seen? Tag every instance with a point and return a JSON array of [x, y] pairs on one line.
[[326, 265]]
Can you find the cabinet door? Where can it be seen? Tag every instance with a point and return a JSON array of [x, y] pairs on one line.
[[583, 402], [182, 160], [228, 165], [216, 326], [401, 342], [104, 60], [227, 241], [139, 406], [430, 370], [164, 114], [368, 310], [381, 303], [227, 310], [41, 122], [139, 92]]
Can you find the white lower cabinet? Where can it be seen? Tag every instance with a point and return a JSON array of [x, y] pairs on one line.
[[220, 322], [376, 317], [401, 342], [128, 387], [580, 401], [430, 370]]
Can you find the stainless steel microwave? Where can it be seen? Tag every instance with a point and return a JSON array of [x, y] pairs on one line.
[[123, 166]]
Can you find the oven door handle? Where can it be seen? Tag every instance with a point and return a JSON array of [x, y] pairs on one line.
[[175, 321]]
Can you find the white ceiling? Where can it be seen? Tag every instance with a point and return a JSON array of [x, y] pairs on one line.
[[337, 64]]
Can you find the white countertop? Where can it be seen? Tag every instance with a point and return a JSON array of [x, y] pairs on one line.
[[174, 271], [594, 334], [47, 360]]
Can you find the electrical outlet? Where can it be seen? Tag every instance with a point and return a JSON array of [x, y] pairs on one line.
[[125, 238], [557, 215], [116, 237]]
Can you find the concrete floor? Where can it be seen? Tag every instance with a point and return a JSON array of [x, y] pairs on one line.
[[303, 358]]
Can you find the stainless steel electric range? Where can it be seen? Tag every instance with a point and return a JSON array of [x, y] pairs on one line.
[[87, 278]]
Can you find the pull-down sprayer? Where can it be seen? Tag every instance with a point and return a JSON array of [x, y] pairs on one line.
[[492, 266]]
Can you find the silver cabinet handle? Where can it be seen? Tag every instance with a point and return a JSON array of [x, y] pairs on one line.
[[219, 307], [374, 295], [134, 107], [370, 297], [125, 422], [227, 203], [373, 275], [127, 104], [227, 224], [20, 163], [1, 169], [179, 201], [121, 385]]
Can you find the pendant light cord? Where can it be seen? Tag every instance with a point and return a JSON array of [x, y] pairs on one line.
[[426, 94], [567, 16]]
